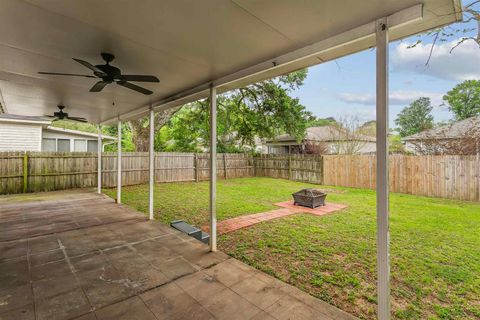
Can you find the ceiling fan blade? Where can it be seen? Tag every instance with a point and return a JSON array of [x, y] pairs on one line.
[[49, 116], [138, 77], [134, 87], [97, 87], [66, 74], [90, 66], [79, 119]]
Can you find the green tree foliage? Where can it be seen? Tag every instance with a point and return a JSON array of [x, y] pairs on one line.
[[75, 125], [320, 122], [415, 118], [368, 128], [464, 99], [261, 110], [127, 142], [395, 144]]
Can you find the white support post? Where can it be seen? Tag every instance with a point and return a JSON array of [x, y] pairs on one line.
[[151, 165], [119, 163], [99, 159], [383, 238], [213, 168]]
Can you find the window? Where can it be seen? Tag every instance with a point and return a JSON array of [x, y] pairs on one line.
[[49, 144], [92, 145], [63, 145], [80, 145]]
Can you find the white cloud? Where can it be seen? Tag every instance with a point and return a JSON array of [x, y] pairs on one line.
[[397, 97], [360, 98], [363, 115], [462, 64]]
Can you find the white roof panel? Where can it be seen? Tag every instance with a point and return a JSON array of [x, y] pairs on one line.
[[188, 44]]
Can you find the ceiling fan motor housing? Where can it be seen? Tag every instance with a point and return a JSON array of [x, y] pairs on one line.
[[60, 115], [110, 72]]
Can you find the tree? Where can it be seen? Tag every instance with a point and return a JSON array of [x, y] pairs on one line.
[[471, 15], [466, 141], [127, 144], [261, 110], [368, 128], [415, 118], [346, 134], [140, 128], [313, 121], [464, 99]]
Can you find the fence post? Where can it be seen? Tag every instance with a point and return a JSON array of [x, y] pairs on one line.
[[196, 167], [25, 172], [254, 165], [478, 176], [321, 169], [289, 166], [225, 166]]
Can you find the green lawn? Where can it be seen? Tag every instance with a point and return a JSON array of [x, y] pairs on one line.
[[435, 244]]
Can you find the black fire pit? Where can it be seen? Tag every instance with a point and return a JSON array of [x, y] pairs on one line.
[[309, 198]]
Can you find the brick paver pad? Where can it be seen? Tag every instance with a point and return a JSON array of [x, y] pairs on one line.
[[288, 208]]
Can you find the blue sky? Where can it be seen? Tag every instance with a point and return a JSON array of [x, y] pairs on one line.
[[346, 87]]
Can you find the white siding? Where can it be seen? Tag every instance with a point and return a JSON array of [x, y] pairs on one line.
[[20, 137]]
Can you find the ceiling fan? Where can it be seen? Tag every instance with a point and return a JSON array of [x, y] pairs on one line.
[[109, 74], [60, 115]]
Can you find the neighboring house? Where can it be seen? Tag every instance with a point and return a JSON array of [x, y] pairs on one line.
[[23, 133], [461, 137], [331, 138]]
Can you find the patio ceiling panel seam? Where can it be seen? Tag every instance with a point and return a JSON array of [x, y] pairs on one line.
[[262, 21]]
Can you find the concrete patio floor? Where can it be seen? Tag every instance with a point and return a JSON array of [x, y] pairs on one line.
[[78, 255]]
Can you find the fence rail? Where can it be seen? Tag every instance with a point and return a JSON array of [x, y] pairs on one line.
[[454, 177]]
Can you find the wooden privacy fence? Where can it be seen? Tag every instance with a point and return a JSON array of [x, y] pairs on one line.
[[450, 177], [454, 177], [46, 171], [297, 167]]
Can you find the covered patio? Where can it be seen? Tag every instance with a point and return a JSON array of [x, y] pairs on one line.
[[78, 255], [197, 49]]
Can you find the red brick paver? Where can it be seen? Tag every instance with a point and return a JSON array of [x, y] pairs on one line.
[[319, 211], [288, 208]]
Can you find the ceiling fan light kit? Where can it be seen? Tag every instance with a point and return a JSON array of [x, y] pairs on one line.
[[110, 74]]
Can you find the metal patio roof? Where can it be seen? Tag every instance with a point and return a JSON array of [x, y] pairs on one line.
[[188, 44]]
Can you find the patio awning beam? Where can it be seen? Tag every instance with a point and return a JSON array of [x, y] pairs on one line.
[[213, 168], [151, 164], [119, 162], [382, 185], [281, 64], [99, 159]]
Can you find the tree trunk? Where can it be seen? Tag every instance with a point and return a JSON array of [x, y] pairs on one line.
[[140, 129]]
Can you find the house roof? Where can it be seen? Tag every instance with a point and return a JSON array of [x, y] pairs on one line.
[[45, 122], [189, 45], [323, 133], [79, 133], [5, 117], [454, 130]]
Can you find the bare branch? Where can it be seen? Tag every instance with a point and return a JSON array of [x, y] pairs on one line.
[[432, 47]]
